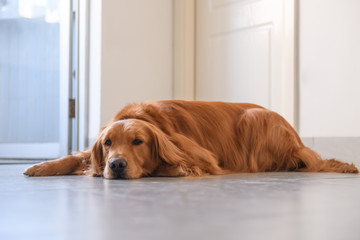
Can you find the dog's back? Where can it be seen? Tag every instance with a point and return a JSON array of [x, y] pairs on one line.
[[243, 137]]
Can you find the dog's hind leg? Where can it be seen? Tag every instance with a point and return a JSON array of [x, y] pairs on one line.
[[314, 163], [273, 145]]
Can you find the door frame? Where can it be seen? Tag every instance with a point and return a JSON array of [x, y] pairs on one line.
[[88, 78], [184, 49], [65, 78], [83, 70]]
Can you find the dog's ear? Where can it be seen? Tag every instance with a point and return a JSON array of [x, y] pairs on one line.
[[182, 152], [96, 158], [165, 148]]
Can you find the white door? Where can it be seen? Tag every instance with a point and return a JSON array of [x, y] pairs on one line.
[[245, 52], [34, 78]]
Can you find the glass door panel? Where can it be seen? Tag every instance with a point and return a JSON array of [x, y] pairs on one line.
[[34, 78]]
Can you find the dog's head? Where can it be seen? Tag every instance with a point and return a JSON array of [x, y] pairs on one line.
[[132, 148]]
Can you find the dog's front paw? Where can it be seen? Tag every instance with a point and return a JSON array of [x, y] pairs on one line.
[[41, 169]]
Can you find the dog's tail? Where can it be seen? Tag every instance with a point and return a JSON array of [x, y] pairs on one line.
[[310, 161]]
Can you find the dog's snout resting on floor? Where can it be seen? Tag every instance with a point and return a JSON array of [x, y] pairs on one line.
[[181, 138], [117, 166]]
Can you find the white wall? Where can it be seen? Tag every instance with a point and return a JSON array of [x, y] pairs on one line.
[[329, 68], [133, 41], [136, 56]]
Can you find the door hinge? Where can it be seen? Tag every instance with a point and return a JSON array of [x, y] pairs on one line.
[[72, 108]]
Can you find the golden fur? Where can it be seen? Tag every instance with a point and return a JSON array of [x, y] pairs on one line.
[[184, 138]]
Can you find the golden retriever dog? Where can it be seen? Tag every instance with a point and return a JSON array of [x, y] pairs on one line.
[[192, 138]]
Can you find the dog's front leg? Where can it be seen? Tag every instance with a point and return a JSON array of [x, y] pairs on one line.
[[76, 165]]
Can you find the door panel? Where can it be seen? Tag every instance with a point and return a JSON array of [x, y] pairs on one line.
[[241, 53]]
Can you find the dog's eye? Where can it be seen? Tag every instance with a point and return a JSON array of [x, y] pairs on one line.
[[108, 142], [137, 142]]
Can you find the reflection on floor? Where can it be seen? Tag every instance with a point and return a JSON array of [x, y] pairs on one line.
[[242, 206]]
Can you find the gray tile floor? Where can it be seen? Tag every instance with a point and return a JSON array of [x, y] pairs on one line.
[[243, 206]]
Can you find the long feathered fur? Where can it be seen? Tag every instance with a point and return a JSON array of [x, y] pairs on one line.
[[201, 138]]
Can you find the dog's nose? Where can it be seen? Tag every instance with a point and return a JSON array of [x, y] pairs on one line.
[[118, 165]]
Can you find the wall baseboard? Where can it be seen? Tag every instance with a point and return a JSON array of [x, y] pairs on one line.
[[346, 149]]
